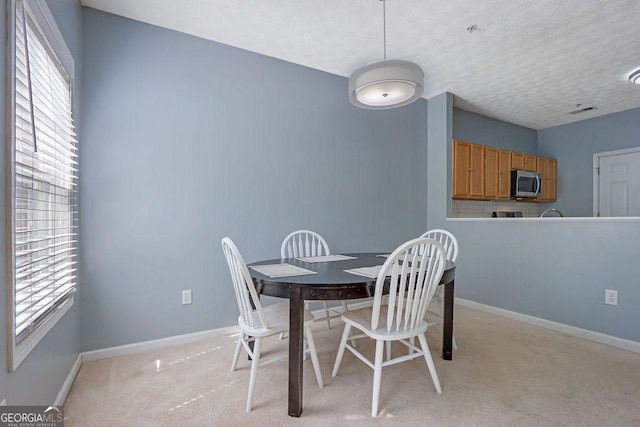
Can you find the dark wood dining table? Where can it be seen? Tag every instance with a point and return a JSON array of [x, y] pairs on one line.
[[331, 282]]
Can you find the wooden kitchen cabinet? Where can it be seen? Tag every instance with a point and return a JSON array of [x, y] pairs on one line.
[[491, 172], [497, 173], [517, 160], [522, 161], [548, 168], [530, 162], [484, 173], [468, 167], [504, 174], [552, 179]]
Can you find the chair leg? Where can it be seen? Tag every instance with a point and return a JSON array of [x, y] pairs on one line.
[[326, 314], [377, 377], [341, 347], [257, 346], [236, 354], [388, 350], [412, 341], [345, 307], [429, 360], [314, 355]]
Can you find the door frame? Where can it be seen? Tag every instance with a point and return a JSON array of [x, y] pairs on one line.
[[596, 174]]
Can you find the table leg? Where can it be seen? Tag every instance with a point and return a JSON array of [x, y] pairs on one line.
[[447, 327], [296, 348]]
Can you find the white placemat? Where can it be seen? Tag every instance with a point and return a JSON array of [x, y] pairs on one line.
[[325, 258], [371, 272], [281, 270]]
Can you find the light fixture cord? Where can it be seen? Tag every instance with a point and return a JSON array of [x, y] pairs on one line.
[[384, 27]]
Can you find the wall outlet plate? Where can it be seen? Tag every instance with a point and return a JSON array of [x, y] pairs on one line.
[[186, 297], [610, 297]]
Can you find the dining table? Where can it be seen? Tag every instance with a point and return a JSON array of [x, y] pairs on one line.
[[325, 278]]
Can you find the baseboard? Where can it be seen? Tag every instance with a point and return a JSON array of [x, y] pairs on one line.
[[139, 347], [66, 386], [559, 327]]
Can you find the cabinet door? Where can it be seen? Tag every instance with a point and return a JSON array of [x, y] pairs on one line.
[[548, 168], [552, 180], [468, 170], [530, 162], [461, 165], [541, 168], [504, 174], [491, 176], [476, 171], [517, 161]]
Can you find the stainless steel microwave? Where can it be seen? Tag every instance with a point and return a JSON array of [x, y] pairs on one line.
[[525, 184]]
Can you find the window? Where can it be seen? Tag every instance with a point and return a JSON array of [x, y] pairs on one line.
[[43, 176]]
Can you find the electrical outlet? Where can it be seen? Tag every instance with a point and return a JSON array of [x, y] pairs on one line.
[[610, 297], [186, 297]]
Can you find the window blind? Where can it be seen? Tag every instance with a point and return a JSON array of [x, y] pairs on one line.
[[45, 178]]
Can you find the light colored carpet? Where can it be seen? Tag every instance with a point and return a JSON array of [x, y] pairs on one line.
[[505, 373]]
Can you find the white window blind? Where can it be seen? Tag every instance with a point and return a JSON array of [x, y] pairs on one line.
[[44, 180]]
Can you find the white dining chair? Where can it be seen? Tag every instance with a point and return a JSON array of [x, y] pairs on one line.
[[257, 322], [413, 272], [307, 243], [450, 244]]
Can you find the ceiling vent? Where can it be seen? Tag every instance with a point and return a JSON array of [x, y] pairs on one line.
[[582, 110]]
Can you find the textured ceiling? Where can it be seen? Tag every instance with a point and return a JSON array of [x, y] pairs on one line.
[[528, 62]]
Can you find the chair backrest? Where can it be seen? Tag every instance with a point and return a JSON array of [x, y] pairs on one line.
[[303, 243], [244, 288], [447, 240], [414, 271]]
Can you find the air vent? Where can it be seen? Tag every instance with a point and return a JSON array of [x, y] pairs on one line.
[[582, 110]]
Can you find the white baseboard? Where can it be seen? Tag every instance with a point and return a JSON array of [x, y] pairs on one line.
[[123, 350], [559, 327], [66, 386]]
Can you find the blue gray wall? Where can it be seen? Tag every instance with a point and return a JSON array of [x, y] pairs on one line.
[[484, 130], [440, 156], [186, 141], [574, 146], [40, 376], [556, 270]]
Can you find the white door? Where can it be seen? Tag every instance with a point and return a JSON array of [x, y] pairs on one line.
[[619, 184]]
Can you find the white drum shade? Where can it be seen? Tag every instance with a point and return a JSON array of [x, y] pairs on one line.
[[386, 84]]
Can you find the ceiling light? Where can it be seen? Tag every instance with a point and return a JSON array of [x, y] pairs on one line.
[[386, 84], [635, 77]]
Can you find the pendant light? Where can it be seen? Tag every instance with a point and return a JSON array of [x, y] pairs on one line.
[[386, 84]]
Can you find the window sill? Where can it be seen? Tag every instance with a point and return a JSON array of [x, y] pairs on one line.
[[20, 352]]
